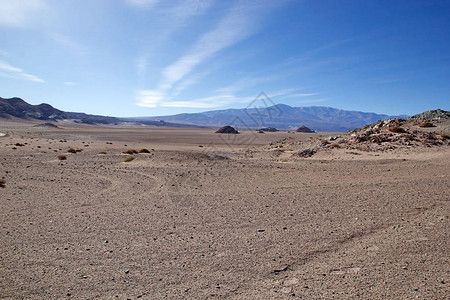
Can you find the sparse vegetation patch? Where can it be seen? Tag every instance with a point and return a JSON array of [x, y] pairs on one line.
[[128, 159], [72, 150], [144, 151], [306, 153], [396, 129], [130, 151], [2, 182], [62, 157], [425, 124]]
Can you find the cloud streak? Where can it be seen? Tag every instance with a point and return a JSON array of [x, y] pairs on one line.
[[68, 43], [238, 24], [6, 70], [18, 13], [142, 3], [169, 19], [233, 28], [208, 102]]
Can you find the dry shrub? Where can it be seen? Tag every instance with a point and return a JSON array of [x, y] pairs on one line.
[[62, 157], [306, 153], [2, 182], [445, 136], [19, 144], [102, 152], [130, 151], [334, 145], [425, 124], [72, 150], [128, 159], [396, 129], [324, 142], [144, 151]]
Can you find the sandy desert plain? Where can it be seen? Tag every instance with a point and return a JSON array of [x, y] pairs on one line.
[[205, 215]]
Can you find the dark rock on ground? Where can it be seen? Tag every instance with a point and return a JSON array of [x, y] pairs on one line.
[[227, 129], [304, 129]]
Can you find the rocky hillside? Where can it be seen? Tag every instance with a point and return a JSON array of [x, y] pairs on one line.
[[429, 129], [20, 109], [16, 107]]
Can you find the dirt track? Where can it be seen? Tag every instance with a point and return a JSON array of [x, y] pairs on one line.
[[192, 222]]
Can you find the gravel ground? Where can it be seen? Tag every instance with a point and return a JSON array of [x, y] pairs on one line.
[[187, 222]]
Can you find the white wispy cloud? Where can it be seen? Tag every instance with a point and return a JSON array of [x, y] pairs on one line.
[[208, 102], [234, 27], [185, 83], [169, 19], [68, 43], [149, 98], [284, 93], [238, 24], [19, 13], [71, 83], [142, 3], [9, 71], [246, 83], [301, 95], [311, 101]]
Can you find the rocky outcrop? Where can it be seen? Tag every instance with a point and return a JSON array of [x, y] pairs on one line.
[[304, 129], [227, 129]]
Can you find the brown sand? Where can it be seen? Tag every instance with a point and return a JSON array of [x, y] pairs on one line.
[[229, 219]]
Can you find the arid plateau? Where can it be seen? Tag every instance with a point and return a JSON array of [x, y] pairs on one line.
[[201, 215]]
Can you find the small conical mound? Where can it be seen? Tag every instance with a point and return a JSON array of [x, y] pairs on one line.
[[227, 129], [304, 129]]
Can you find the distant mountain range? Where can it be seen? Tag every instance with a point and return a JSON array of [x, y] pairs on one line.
[[279, 116]]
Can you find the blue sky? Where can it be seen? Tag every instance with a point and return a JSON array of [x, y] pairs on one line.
[[160, 57]]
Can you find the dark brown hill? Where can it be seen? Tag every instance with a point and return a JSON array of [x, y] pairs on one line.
[[227, 129], [304, 129]]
